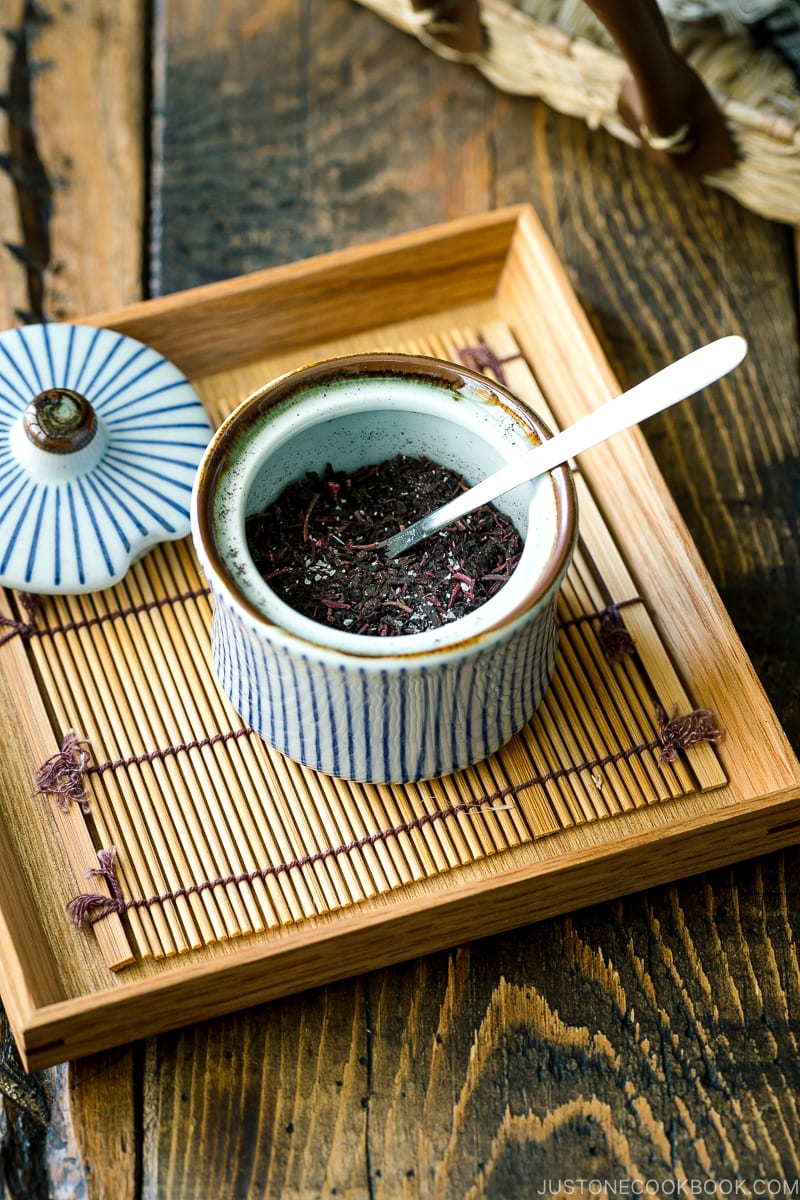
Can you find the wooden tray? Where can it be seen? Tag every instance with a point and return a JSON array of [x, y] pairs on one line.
[[305, 879]]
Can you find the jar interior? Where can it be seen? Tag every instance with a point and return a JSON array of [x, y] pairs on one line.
[[355, 423], [363, 438]]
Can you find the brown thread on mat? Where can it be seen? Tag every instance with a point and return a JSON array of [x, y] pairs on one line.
[[91, 907], [23, 629], [117, 614], [677, 733], [482, 358], [62, 775], [613, 634], [681, 733], [136, 760]]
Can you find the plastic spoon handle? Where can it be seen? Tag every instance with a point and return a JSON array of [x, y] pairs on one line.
[[673, 383]]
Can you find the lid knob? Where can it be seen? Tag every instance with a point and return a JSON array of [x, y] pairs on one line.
[[60, 421]]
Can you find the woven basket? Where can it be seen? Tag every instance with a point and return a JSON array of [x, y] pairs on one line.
[[558, 51]]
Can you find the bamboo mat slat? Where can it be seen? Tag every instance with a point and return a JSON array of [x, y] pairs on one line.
[[188, 797]]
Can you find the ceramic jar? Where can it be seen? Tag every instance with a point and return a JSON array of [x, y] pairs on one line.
[[403, 707]]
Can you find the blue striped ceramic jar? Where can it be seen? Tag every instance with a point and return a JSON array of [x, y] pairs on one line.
[[380, 709]]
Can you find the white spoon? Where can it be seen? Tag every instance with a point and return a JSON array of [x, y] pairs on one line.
[[673, 383]]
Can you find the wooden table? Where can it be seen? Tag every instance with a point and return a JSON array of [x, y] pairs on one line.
[[652, 1038]]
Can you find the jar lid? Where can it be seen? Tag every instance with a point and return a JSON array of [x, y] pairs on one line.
[[100, 439]]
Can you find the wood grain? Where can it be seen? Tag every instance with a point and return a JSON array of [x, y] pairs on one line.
[[73, 190], [643, 1040], [14, 291], [105, 1120], [655, 1035]]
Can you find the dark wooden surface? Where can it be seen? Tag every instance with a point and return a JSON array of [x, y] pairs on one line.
[[650, 1039]]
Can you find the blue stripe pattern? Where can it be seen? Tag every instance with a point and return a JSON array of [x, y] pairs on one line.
[[76, 524], [367, 721]]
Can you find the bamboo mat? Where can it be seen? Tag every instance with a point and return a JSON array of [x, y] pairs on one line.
[[218, 836]]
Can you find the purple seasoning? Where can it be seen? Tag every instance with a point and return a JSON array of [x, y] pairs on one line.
[[316, 546]]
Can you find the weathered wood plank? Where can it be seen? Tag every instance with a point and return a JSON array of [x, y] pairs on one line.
[[105, 1121], [324, 132], [89, 117], [17, 175], [72, 197], [620, 1043]]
